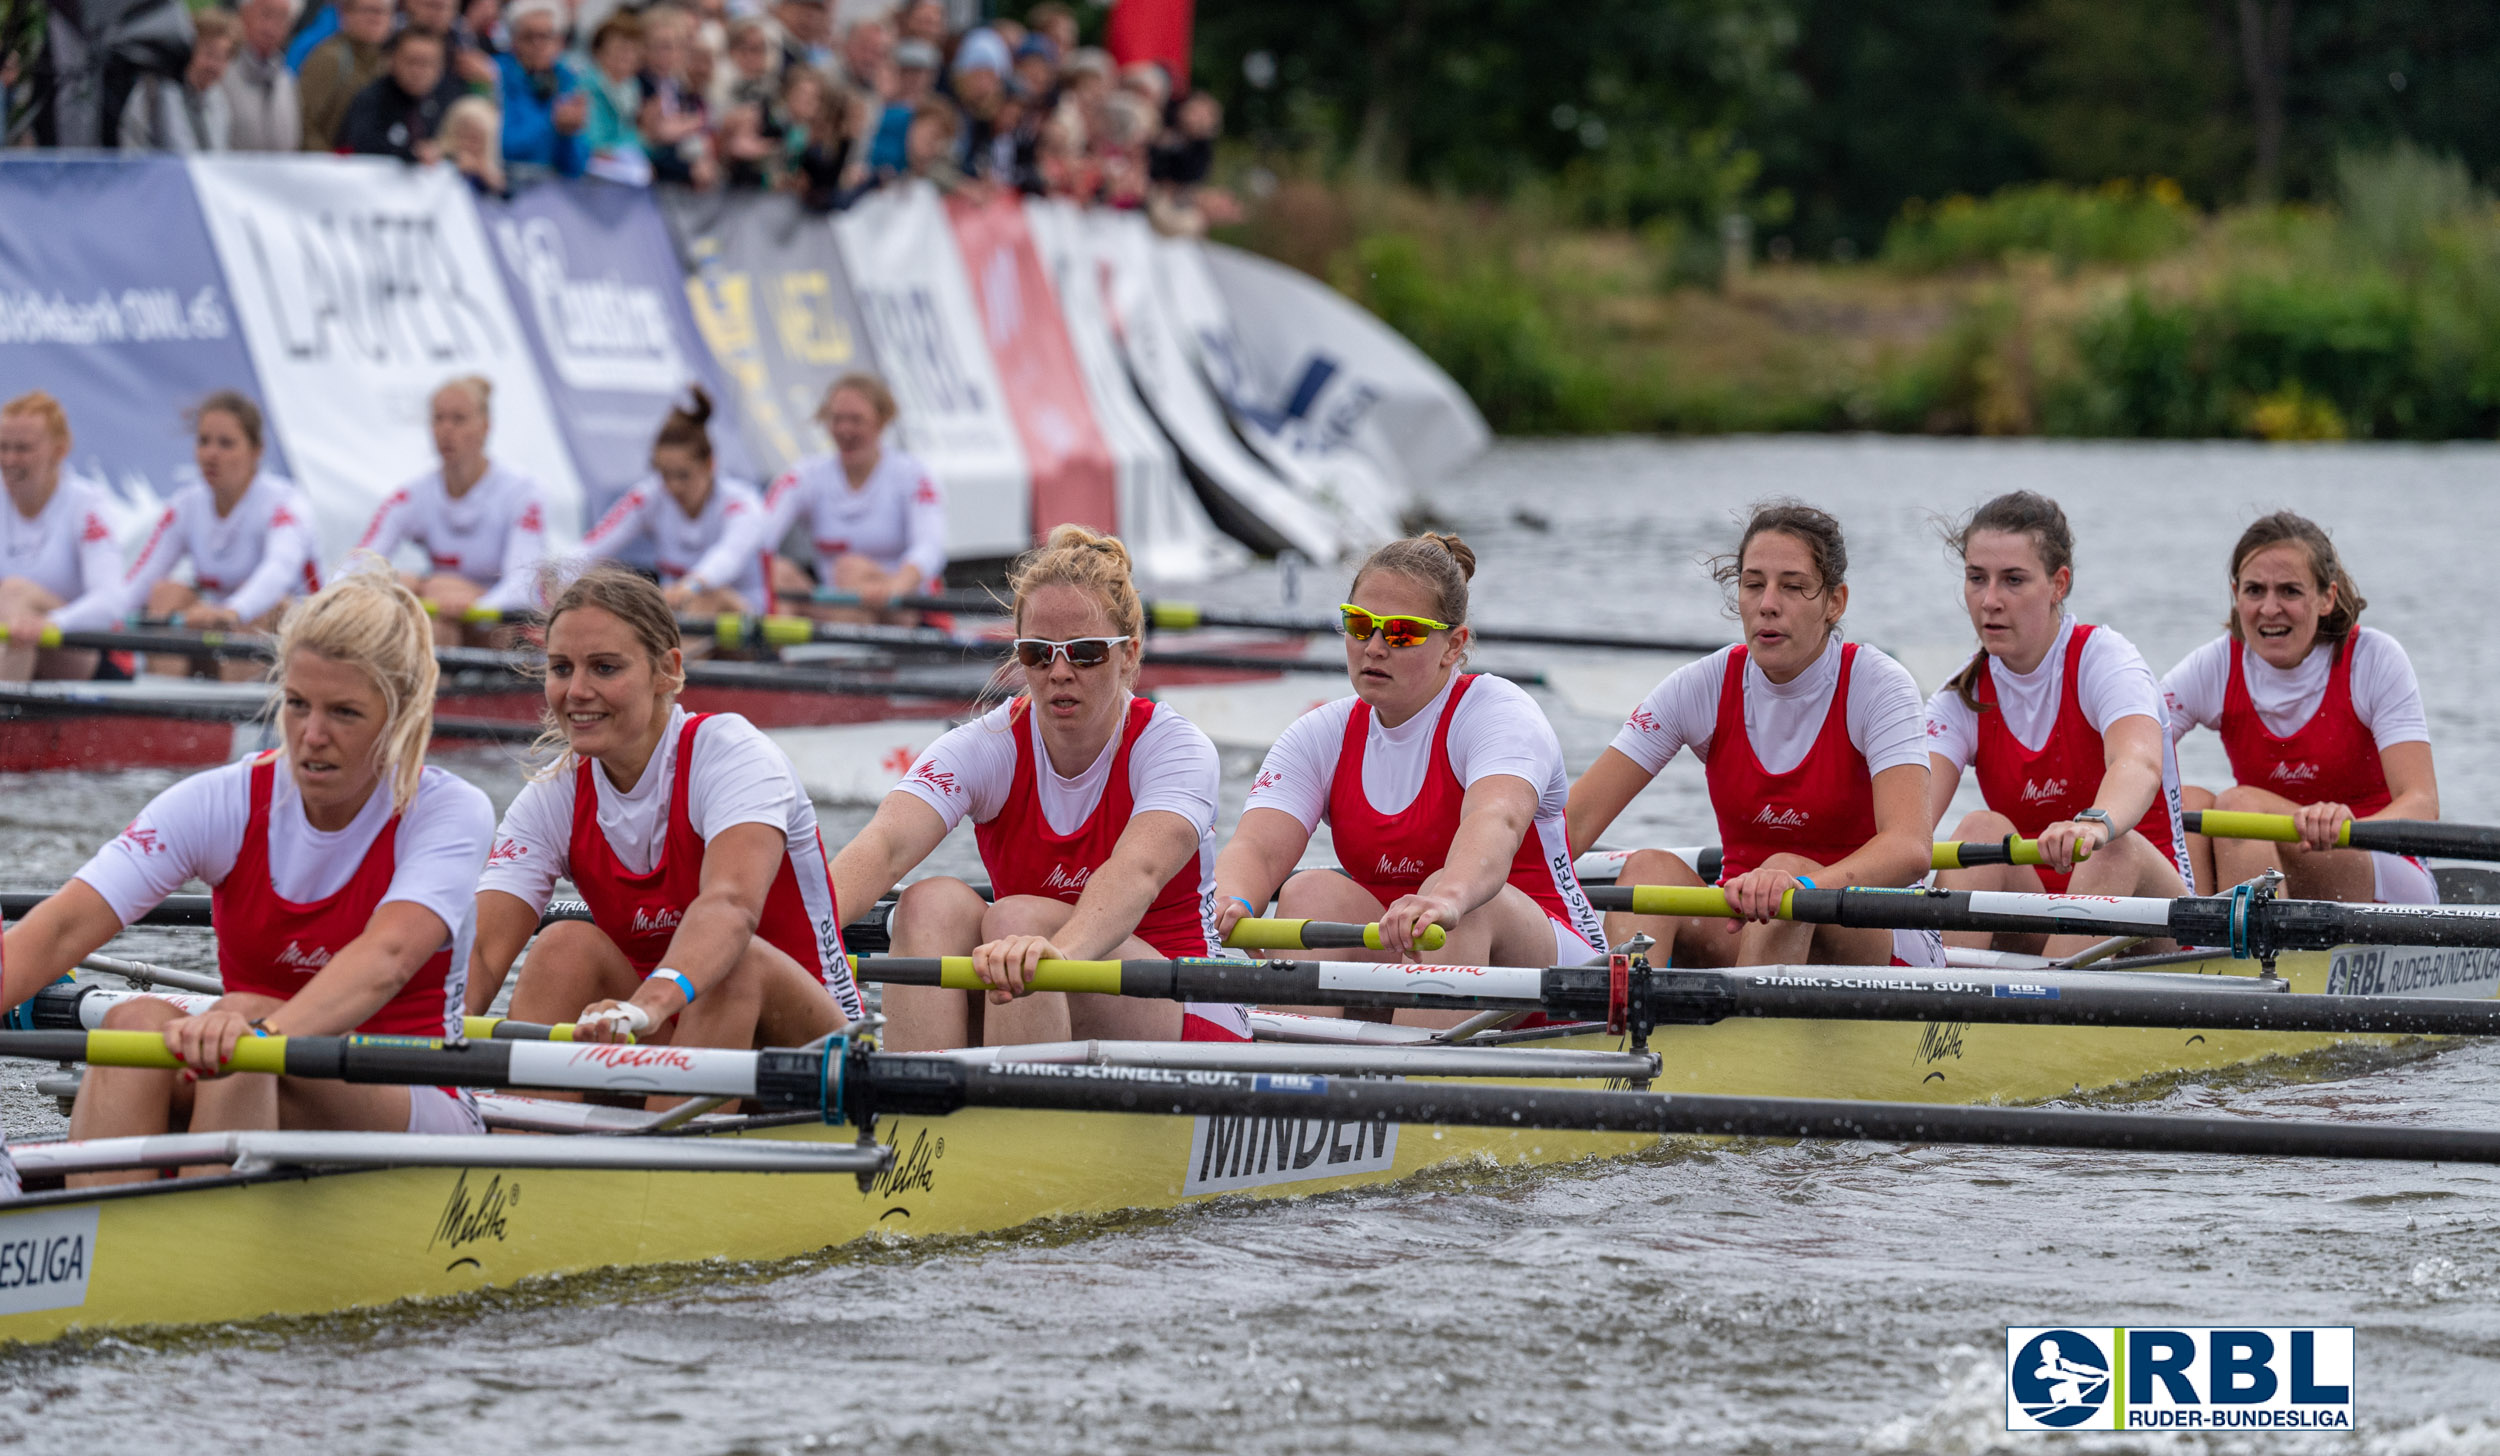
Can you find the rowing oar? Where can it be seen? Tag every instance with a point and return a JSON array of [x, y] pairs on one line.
[[80, 1006], [186, 644], [2249, 923], [1963, 854], [2388, 836], [1596, 993], [846, 1082]]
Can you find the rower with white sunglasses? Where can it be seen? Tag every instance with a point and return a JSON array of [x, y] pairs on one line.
[[1094, 812], [1443, 791]]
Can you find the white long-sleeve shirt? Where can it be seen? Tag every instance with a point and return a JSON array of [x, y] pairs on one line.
[[896, 517], [67, 549], [724, 546], [494, 535], [248, 561]]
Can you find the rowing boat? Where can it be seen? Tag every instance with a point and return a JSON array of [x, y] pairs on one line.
[[129, 1256]]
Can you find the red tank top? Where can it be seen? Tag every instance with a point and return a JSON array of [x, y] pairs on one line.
[[270, 946], [1392, 854], [1823, 809], [2331, 759], [1025, 856], [640, 913], [2036, 790]]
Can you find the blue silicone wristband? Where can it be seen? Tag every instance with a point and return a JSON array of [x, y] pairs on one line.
[[1800, 879], [685, 987], [1244, 902]]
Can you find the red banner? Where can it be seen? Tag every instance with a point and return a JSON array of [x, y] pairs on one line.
[[1074, 477], [1153, 30]]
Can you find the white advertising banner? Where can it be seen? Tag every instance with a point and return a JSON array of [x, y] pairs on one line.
[[909, 279], [1319, 463], [362, 285], [1245, 496], [1337, 375], [1166, 530]]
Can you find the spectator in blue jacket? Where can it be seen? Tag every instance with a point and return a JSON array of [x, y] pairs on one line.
[[544, 104]]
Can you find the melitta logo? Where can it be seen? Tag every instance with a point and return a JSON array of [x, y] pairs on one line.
[[1409, 868], [2043, 793], [301, 959], [647, 920], [1775, 817], [1061, 878], [2293, 773], [2200, 1378]]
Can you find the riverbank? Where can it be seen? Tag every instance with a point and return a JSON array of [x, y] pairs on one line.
[[2117, 312]]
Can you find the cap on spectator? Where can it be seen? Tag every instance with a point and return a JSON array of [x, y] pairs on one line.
[[1038, 44], [552, 9], [1089, 61], [915, 55], [983, 50]]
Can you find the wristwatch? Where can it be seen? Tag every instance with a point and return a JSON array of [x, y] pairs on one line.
[[2109, 831]]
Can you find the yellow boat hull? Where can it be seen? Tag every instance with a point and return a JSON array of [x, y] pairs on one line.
[[311, 1243]]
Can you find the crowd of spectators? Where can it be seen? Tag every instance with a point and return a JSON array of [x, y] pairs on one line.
[[737, 94]]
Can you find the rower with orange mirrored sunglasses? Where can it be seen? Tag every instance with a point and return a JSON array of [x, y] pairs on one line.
[[1398, 631]]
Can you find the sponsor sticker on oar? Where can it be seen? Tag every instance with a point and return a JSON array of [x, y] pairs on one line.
[[2178, 1378]]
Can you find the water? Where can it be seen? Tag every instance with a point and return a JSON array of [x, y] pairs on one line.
[[1769, 1299]]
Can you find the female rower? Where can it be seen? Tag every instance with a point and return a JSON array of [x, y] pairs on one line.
[[483, 526], [713, 922], [248, 535], [1094, 811], [58, 564], [341, 872], [706, 529], [1443, 790], [875, 515], [1815, 754], [2064, 723], [2321, 717]]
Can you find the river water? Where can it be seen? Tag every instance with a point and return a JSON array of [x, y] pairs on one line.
[[1765, 1299]]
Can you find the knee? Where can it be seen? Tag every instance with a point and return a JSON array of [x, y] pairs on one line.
[[1309, 891], [2243, 800], [567, 940], [1655, 867], [1983, 824], [2193, 798], [168, 596], [852, 572], [1023, 915], [145, 1013], [939, 915]]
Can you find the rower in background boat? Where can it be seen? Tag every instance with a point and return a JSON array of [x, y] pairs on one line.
[[342, 870], [2063, 722], [713, 919], [59, 566], [1443, 792], [248, 535], [482, 525], [1816, 755], [876, 516], [2321, 718], [1094, 810], [706, 529]]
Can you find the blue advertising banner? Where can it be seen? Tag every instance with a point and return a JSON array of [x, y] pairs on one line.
[[112, 301], [602, 297]]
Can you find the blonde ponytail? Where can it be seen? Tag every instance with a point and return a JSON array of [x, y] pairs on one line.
[[369, 619]]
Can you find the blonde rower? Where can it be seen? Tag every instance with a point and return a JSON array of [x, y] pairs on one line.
[[341, 870], [58, 564], [2063, 722], [1443, 790], [2322, 719], [1816, 757], [482, 525], [713, 920], [247, 533], [1094, 810]]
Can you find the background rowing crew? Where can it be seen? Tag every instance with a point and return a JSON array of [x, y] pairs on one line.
[[874, 515], [355, 888]]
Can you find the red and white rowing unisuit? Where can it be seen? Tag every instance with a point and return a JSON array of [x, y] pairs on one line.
[[638, 858], [249, 560], [2313, 734], [721, 546], [67, 549], [1041, 834], [493, 534], [2090, 678], [287, 897], [1392, 796], [895, 518], [1790, 765]]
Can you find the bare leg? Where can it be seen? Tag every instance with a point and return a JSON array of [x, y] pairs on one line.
[[1988, 826], [1507, 930], [21, 661], [2200, 849], [859, 574], [450, 596], [570, 965], [1690, 940], [940, 916], [1328, 895], [164, 600], [130, 1101], [2333, 874], [1789, 942], [2130, 865], [1056, 1016]]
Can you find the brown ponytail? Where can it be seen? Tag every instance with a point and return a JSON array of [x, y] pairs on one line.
[[688, 426]]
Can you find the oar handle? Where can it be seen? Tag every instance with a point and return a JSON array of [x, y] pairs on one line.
[[2013, 849], [1704, 901], [2235, 824], [1260, 933]]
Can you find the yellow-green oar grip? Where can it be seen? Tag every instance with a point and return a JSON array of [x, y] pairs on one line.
[[1262, 933], [1433, 938], [481, 616], [1097, 976], [147, 1049], [49, 637], [2277, 828], [1698, 900], [1174, 616], [788, 631]]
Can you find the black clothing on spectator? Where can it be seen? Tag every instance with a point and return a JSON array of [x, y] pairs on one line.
[[385, 121], [1181, 161]]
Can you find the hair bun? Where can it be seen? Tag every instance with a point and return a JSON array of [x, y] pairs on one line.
[[700, 410], [1460, 551]]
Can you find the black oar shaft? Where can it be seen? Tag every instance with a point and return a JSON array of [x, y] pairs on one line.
[[192, 910]]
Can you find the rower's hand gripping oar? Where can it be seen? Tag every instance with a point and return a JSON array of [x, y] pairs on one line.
[[848, 1082], [2420, 837], [1261, 933]]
